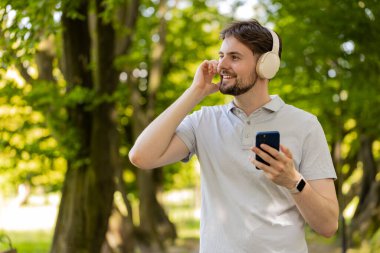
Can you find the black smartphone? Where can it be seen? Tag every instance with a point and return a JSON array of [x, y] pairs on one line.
[[271, 138]]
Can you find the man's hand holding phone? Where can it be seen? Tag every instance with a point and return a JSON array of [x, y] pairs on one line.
[[276, 161]]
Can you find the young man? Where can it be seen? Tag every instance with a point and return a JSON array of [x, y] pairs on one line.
[[247, 206]]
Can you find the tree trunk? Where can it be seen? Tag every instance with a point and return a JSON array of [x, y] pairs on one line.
[[339, 183], [369, 170], [366, 219], [154, 223], [71, 222], [87, 195]]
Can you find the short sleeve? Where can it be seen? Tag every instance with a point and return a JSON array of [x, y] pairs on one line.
[[186, 132], [316, 160]]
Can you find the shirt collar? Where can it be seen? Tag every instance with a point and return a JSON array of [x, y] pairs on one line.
[[230, 106], [273, 105]]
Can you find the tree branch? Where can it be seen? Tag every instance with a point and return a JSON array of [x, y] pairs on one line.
[[127, 16]]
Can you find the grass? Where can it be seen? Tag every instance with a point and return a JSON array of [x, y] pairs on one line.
[[31, 241]]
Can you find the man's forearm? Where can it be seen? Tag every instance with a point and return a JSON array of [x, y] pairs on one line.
[[320, 212], [155, 139]]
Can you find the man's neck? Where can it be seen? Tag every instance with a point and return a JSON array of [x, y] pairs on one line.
[[251, 101]]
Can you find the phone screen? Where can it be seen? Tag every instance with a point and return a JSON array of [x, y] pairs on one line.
[[271, 138]]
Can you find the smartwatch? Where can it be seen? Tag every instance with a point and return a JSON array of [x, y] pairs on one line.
[[299, 186]]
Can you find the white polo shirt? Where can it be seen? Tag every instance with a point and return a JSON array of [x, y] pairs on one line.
[[243, 211]]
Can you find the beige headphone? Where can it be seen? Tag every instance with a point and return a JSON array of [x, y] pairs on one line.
[[269, 63]]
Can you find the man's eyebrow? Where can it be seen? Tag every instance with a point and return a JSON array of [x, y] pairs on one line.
[[232, 53]]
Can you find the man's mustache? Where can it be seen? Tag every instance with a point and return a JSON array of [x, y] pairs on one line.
[[226, 73]]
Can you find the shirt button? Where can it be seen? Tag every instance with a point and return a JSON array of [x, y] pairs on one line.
[[249, 122]]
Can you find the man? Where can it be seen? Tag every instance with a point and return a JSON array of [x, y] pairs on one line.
[[247, 206]]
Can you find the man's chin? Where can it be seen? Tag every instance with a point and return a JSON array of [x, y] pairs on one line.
[[234, 90], [227, 90], [226, 87]]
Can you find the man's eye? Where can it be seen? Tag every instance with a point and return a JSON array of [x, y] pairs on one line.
[[220, 56], [234, 57]]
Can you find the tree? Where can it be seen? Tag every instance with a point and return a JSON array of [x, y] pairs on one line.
[[98, 72], [176, 34], [331, 60], [90, 181], [90, 137]]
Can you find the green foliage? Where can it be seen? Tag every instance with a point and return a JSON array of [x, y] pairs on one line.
[[181, 175], [324, 48], [189, 40], [330, 66], [375, 242], [22, 25], [37, 136], [28, 149]]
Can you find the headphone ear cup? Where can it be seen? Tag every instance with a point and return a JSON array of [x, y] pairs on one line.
[[268, 65]]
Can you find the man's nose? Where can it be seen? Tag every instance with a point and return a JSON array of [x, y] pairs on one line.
[[222, 64]]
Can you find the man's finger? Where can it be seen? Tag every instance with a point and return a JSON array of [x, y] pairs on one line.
[[267, 169], [286, 151], [272, 151], [264, 155]]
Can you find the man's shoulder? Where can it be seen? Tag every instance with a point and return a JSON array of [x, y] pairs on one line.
[[214, 109], [277, 104], [295, 116], [291, 110], [208, 114]]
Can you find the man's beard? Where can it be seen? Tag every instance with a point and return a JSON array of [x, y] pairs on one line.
[[240, 87]]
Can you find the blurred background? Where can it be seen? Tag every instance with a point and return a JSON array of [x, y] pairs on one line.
[[80, 79]]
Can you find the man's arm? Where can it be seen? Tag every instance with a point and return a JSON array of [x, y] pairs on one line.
[[317, 202], [158, 144], [318, 205]]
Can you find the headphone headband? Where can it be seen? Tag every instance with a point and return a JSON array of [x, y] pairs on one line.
[[276, 42]]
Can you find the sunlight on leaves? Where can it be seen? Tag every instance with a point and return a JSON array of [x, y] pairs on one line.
[[346, 145], [349, 211], [350, 124], [353, 179], [376, 149]]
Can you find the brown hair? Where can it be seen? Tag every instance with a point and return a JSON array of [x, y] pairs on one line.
[[252, 34]]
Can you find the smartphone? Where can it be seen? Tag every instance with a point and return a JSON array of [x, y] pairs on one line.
[[271, 138]]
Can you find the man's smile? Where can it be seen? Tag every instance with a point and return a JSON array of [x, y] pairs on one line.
[[227, 77]]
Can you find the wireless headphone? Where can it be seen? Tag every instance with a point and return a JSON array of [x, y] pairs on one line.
[[269, 63]]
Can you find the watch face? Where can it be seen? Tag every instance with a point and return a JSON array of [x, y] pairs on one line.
[[301, 185]]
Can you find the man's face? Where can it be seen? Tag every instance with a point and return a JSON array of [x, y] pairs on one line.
[[236, 67]]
